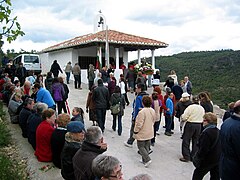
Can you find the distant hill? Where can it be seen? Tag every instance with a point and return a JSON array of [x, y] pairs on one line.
[[217, 72]]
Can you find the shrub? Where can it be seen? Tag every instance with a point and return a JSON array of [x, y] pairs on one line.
[[5, 136], [7, 170]]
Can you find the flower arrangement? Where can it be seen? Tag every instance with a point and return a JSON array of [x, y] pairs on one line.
[[145, 68]]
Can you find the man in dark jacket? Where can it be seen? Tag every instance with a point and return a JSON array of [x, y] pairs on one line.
[[188, 85], [137, 106], [55, 68], [229, 135], [92, 146], [181, 106], [177, 91], [21, 73], [33, 121], [26, 111], [101, 99], [209, 151]]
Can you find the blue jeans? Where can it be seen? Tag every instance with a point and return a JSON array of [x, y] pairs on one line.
[[101, 116], [156, 128], [119, 123], [76, 81], [131, 84], [168, 119], [67, 76]]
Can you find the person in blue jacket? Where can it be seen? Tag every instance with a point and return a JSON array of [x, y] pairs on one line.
[[44, 96], [137, 106], [169, 114], [229, 136]]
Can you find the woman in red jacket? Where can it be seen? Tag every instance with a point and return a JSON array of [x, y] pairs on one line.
[[43, 136]]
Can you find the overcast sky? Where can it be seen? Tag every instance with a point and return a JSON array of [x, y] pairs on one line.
[[186, 25]]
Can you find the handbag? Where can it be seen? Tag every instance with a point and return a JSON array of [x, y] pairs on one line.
[[115, 109]]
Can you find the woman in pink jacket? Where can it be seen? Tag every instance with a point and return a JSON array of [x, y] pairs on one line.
[[143, 130]]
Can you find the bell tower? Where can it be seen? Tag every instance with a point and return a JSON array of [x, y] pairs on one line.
[[99, 22]]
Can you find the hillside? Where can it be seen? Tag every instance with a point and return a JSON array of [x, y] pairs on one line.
[[217, 72]]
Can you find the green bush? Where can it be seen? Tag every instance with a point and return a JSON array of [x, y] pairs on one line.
[[7, 170], [9, 167], [5, 136], [2, 112]]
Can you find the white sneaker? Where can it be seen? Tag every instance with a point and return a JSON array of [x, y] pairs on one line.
[[128, 145], [147, 163]]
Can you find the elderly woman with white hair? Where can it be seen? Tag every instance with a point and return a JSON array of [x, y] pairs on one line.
[[107, 167], [13, 106]]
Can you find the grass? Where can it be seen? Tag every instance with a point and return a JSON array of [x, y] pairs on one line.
[[9, 166], [8, 170], [5, 137]]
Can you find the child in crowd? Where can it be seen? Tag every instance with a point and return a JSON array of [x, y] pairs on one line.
[[156, 105], [78, 114], [39, 80], [17, 85]]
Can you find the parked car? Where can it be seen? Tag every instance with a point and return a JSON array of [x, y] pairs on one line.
[[30, 61]]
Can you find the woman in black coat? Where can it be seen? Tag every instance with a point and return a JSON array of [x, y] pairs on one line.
[[205, 101], [208, 156]]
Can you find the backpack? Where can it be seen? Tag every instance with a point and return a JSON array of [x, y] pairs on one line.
[[115, 109]]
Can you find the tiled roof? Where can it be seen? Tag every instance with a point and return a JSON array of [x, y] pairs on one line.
[[114, 37]]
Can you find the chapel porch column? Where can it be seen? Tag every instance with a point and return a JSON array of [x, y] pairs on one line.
[[153, 59], [117, 71], [139, 57]]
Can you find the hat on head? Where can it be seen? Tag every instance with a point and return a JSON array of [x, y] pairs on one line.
[[75, 127], [237, 103], [184, 95]]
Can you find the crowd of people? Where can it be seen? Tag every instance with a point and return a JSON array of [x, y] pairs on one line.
[[40, 108]]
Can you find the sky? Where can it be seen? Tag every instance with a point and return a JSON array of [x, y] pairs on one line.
[[186, 25]]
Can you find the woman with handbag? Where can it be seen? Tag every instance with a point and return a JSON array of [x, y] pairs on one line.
[[117, 106], [207, 157]]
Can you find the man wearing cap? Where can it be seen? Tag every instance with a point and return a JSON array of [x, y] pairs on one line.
[[73, 142], [193, 115], [92, 146], [183, 103], [229, 136]]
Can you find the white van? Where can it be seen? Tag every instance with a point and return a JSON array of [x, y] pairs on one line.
[[30, 61]]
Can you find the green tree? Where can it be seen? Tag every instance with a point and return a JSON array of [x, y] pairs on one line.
[[10, 27]]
